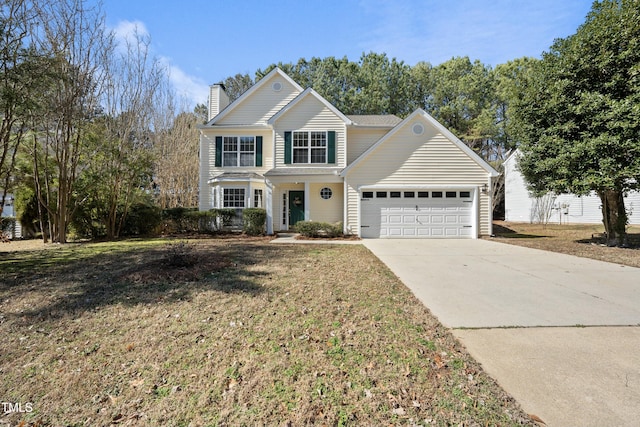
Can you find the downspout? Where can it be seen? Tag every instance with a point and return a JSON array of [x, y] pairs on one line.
[[345, 201], [269, 206], [490, 203], [307, 200]]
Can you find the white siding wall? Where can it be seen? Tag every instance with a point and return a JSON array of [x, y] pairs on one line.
[[517, 202], [359, 140], [429, 159], [310, 114], [261, 105], [568, 208]]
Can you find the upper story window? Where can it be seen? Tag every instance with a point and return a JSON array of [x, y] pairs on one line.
[[309, 147], [238, 151]]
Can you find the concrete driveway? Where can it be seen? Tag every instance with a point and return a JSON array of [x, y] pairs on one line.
[[560, 333]]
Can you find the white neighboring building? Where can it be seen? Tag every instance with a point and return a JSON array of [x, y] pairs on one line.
[[8, 211], [520, 206]]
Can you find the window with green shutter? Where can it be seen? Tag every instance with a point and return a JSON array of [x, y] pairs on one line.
[[238, 151], [287, 148], [331, 149], [218, 151], [310, 147], [258, 151]]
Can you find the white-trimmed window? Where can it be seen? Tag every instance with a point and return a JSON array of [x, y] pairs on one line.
[[326, 193], [238, 151], [233, 198], [309, 147], [257, 198]]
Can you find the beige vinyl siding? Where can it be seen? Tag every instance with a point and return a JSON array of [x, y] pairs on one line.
[[312, 115], [261, 105], [406, 159], [207, 161], [267, 151], [329, 210], [360, 139], [208, 167]]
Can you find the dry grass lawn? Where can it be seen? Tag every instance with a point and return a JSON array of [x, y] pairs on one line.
[[250, 333], [584, 240]]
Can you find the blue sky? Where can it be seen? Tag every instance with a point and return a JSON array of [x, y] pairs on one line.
[[206, 41]]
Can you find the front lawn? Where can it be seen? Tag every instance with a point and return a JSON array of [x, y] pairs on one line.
[[250, 334], [583, 240]]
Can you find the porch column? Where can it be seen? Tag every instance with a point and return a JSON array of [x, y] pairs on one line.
[[306, 201], [217, 198], [268, 200]]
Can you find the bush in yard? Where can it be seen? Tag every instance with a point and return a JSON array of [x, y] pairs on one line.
[[319, 229], [177, 220], [190, 220], [226, 215], [254, 221], [142, 219], [7, 225], [181, 254]]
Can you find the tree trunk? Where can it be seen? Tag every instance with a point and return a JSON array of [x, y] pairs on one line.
[[614, 217]]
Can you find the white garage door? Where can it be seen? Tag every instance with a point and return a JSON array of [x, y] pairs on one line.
[[417, 214]]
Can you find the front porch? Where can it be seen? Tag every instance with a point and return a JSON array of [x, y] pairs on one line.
[[317, 195]]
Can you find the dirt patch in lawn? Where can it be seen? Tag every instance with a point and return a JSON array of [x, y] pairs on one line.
[[250, 333], [584, 240]]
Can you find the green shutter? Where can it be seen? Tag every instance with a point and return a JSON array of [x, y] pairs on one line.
[[258, 151], [218, 151], [331, 146], [287, 148]]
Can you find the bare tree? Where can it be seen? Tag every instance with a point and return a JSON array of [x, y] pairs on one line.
[[133, 81], [542, 208], [18, 78], [73, 35], [177, 163]]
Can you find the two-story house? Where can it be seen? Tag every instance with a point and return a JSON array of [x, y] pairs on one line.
[[288, 150]]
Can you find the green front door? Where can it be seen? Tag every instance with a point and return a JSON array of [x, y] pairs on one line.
[[296, 207]]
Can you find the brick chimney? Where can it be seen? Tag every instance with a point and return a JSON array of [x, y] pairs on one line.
[[218, 99]]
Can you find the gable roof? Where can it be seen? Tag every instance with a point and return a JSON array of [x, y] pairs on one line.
[[443, 130], [385, 120], [299, 98], [263, 81], [512, 155]]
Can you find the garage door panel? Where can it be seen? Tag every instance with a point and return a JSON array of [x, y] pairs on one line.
[[395, 231], [395, 219], [413, 217], [423, 219], [408, 219], [466, 232], [452, 219], [451, 232], [437, 219]]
